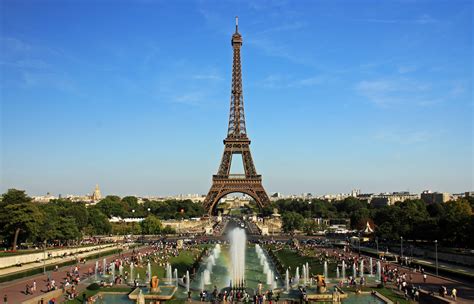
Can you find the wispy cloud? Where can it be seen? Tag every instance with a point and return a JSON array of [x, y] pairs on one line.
[[212, 75], [47, 80], [404, 137], [397, 92], [289, 26], [286, 81], [406, 69], [422, 19]]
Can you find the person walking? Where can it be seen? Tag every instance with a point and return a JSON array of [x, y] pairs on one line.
[[5, 299], [33, 289], [424, 277], [454, 293]]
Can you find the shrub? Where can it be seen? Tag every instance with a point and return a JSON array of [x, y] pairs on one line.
[[93, 286]]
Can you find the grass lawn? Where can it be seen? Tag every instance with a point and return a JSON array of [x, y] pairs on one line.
[[387, 292], [291, 259], [182, 262], [90, 293]]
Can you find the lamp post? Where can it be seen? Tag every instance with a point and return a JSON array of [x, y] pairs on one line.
[[436, 255], [401, 249]]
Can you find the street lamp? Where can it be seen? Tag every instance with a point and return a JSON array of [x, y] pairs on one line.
[[436, 255], [401, 249]]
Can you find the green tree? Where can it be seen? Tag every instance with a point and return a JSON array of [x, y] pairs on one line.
[[151, 225], [98, 222], [20, 218], [292, 221], [68, 229]]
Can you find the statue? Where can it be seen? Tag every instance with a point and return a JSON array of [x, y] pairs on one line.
[[321, 283], [154, 284]]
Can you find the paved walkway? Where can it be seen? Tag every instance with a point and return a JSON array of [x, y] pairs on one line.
[[15, 290], [52, 261], [465, 291], [441, 265]]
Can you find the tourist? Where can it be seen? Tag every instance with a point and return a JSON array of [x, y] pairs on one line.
[[5, 299], [424, 277], [454, 293]]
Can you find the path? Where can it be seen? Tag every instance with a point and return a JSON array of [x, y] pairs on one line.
[[15, 290]]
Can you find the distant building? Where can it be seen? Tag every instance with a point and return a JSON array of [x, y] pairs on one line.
[[389, 199], [435, 197], [96, 196], [43, 198], [355, 192]]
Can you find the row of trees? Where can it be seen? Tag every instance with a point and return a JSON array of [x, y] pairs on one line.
[[129, 207], [451, 222], [61, 220], [20, 219]]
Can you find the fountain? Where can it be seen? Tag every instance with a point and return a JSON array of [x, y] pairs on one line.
[[176, 276], [202, 281], [131, 271], [96, 269], [361, 271], [287, 280], [207, 277], [141, 298], [371, 267], [149, 272], [337, 272], [112, 272], [326, 270], [304, 275], [297, 276], [269, 277], [354, 270], [343, 269], [379, 272], [238, 241], [187, 280], [121, 270], [168, 274], [104, 266]]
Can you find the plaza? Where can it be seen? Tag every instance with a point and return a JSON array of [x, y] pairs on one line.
[[129, 96]]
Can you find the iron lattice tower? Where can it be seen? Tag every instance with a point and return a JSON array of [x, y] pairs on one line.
[[238, 143]]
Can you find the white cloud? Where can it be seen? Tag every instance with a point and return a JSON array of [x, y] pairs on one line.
[[404, 137], [397, 92], [422, 19], [286, 81], [406, 69]]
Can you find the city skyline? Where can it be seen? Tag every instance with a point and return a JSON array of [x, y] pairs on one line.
[[374, 99]]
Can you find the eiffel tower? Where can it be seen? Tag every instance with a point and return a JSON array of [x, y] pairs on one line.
[[236, 142]]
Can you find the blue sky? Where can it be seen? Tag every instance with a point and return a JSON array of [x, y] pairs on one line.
[[134, 95]]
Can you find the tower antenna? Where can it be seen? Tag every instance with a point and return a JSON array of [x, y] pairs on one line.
[[236, 23]]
